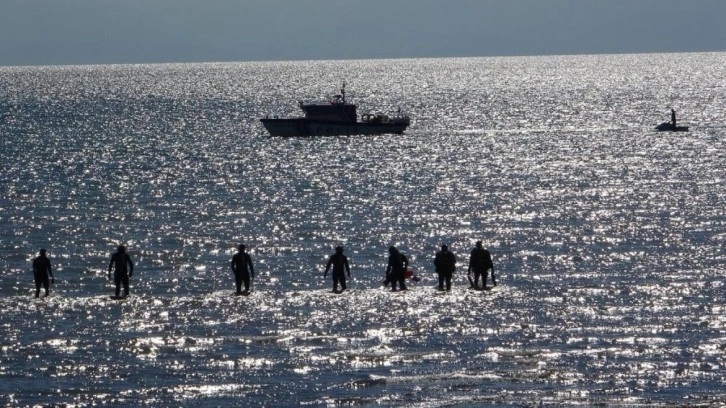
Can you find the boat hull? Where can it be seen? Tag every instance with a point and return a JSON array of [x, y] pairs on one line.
[[303, 127], [668, 127]]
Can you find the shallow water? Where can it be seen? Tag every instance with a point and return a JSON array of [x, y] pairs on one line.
[[608, 238]]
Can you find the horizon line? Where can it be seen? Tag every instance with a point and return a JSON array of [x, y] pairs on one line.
[[361, 59]]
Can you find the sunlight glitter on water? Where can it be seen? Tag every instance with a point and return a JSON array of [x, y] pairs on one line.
[[608, 237]]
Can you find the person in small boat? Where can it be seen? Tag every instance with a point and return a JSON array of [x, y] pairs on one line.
[[340, 265], [396, 269], [673, 118], [445, 264], [243, 270], [123, 269], [480, 262], [42, 273]]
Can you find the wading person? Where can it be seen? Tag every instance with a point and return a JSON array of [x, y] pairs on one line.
[[396, 269], [242, 269], [480, 262], [123, 268], [42, 273], [340, 265], [445, 264]]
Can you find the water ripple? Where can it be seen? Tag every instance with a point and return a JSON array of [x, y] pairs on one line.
[[608, 237]]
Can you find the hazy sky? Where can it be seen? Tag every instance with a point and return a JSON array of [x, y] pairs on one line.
[[41, 32]]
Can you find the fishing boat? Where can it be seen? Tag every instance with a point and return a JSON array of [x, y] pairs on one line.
[[335, 118]]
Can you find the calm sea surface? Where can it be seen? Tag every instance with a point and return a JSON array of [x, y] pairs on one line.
[[609, 239]]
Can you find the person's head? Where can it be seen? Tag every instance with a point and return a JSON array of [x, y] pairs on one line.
[[339, 249], [241, 247], [121, 249], [392, 250], [478, 244], [444, 248], [42, 251]]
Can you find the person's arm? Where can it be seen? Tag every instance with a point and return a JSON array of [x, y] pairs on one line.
[[252, 268], [110, 268], [50, 272], [131, 265], [327, 267], [405, 262]]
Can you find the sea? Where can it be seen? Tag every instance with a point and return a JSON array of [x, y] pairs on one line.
[[608, 238]]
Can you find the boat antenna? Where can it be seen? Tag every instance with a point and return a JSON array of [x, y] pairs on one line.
[[342, 92]]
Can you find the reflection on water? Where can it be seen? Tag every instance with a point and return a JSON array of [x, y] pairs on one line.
[[608, 238], [507, 345]]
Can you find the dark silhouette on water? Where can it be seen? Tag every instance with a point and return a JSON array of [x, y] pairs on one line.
[[335, 118], [673, 117], [445, 264], [123, 268], [480, 262], [396, 269], [243, 270], [672, 125], [340, 265], [42, 273]]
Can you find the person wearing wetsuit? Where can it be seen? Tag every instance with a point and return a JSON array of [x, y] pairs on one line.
[[242, 269], [123, 268], [396, 269], [480, 263], [340, 265], [42, 273], [445, 264]]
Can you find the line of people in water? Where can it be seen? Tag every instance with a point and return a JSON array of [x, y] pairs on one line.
[[121, 268]]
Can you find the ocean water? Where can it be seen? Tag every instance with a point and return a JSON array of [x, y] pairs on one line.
[[608, 238]]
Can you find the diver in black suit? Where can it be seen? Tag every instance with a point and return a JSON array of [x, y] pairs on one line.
[[242, 269], [480, 262], [123, 268], [340, 265], [42, 273]]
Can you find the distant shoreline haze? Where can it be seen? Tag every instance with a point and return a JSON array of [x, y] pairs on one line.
[[359, 59]]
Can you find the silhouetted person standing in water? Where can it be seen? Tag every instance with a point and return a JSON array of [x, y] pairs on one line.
[[242, 269], [396, 269], [123, 268], [42, 273], [445, 264], [673, 118], [481, 262], [340, 265]]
